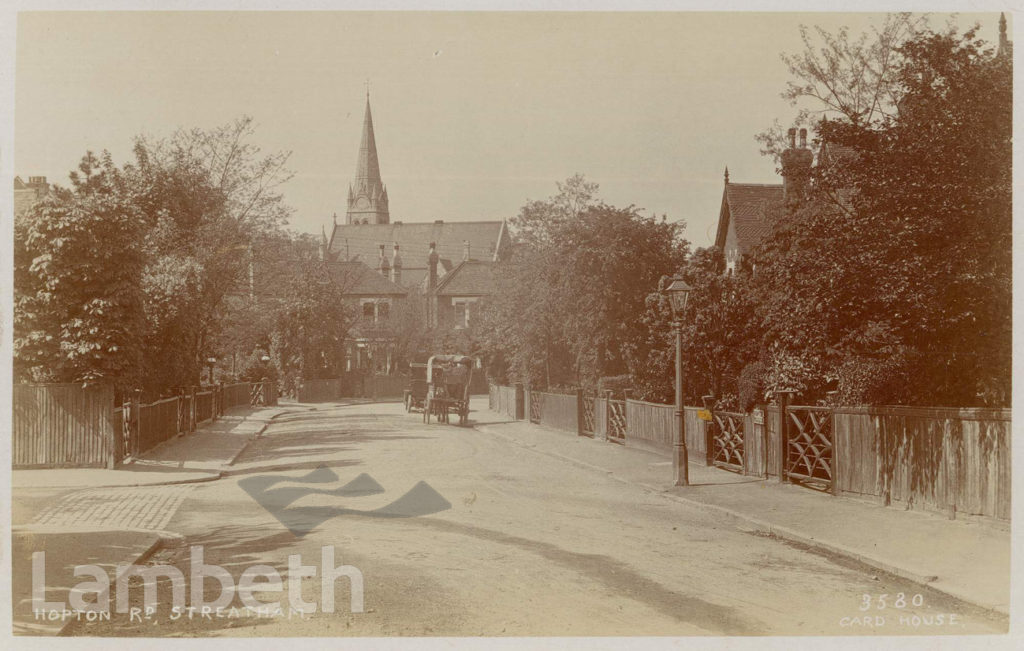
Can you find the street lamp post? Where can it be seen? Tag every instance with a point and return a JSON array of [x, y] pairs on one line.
[[210, 361], [678, 293]]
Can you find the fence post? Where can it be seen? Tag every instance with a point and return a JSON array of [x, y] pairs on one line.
[[782, 397], [520, 407], [135, 432], [709, 432], [182, 425], [527, 402], [192, 409], [837, 451], [607, 413], [579, 412]]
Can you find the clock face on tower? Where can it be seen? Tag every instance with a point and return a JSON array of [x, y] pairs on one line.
[[362, 203]]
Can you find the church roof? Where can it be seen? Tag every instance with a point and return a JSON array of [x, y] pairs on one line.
[[362, 241], [469, 278], [746, 205]]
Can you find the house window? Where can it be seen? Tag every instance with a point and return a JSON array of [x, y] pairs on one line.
[[461, 315], [383, 311], [368, 312]]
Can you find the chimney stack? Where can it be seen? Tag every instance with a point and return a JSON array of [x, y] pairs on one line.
[[385, 269], [465, 249], [396, 266], [432, 258], [796, 168]]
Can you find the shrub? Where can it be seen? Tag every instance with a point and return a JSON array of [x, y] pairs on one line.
[[751, 385], [617, 384]]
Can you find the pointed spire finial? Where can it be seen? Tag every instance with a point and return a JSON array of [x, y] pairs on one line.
[[367, 89], [1004, 42], [334, 217], [726, 173]]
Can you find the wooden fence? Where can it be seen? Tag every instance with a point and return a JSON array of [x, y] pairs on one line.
[[66, 425], [158, 422], [234, 395], [62, 425], [555, 410], [503, 400], [952, 460], [320, 390], [651, 423]]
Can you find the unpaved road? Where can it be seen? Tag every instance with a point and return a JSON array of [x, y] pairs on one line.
[[531, 545]]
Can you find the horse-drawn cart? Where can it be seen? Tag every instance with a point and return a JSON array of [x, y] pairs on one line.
[[448, 378], [416, 394]]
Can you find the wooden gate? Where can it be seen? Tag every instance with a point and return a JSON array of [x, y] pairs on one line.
[[616, 420], [727, 438], [536, 406], [258, 395], [810, 451], [587, 423]]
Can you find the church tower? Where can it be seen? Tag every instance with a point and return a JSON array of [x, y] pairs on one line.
[[367, 196]]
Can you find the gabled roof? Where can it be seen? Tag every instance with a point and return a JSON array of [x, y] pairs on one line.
[[468, 278], [363, 240], [831, 154], [357, 279], [747, 205]]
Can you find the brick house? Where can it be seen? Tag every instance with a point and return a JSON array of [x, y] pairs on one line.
[[747, 208], [26, 194], [449, 265]]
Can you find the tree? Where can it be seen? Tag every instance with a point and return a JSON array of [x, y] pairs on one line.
[[167, 232], [568, 306], [892, 282], [78, 299], [840, 75], [714, 335]]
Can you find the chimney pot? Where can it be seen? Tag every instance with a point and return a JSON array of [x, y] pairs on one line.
[[792, 138], [438, 221], [803, 138]]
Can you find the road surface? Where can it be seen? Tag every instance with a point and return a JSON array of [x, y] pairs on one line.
[[458, 532]]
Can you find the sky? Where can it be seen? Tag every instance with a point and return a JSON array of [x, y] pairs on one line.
[[474, 113]]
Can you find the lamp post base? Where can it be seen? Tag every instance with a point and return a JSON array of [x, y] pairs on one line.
[[681, 464], [680, 456]]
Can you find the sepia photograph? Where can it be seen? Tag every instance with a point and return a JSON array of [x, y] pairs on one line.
[[580, 327]]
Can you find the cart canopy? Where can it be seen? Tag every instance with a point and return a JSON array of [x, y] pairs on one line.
[[447, 360]]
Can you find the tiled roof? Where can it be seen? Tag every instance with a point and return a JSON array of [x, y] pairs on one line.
[[747, 206], [360, 280], [469, 278], [413, 239]]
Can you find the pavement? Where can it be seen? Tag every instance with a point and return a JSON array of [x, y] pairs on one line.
[[967, 558], [202, 455]]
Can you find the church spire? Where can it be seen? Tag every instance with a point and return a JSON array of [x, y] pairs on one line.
[[1005, 46], [367, 196]]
